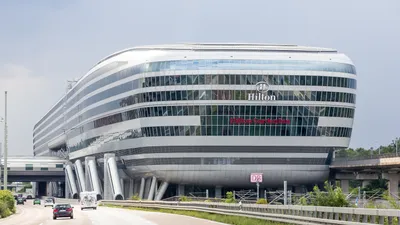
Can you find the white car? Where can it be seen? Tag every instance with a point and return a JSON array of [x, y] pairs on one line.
[[49, 202]]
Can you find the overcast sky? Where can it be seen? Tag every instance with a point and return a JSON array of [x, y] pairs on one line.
[[45, 42]]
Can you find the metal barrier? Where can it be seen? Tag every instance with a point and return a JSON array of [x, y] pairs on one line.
[[288, 214]]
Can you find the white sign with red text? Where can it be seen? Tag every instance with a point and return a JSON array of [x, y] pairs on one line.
[[256, 178]]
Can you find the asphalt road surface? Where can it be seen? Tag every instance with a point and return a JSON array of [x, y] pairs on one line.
[[29, 214]]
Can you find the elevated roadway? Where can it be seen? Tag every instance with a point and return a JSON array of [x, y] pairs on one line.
[[368, 168], [35, 169], [29, 214]]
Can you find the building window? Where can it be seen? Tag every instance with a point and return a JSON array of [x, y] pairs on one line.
[[28, 166], [59, 166], [44, 168]]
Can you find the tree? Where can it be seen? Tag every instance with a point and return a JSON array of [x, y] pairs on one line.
[[333, 197]]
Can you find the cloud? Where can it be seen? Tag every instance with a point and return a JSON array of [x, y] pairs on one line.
[[26, 93]]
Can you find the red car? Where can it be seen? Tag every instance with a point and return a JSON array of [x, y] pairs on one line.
[[63, 210]]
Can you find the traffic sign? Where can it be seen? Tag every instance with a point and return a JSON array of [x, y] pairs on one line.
[[256, 178]]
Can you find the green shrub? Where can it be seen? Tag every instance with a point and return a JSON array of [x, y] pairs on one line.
[[261, 201], [135, 197], [4, 211], [207, 200], [184, 199], [8, 202], [229, 197]]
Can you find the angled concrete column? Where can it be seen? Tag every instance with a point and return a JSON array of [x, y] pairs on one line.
[[152, 188], [344, 185], [112, 182], [180, 190], [141, 190], [147, 187], [92, 180], [393, 184], [80, 175], [218, 192], [161, 191], [69, 174]]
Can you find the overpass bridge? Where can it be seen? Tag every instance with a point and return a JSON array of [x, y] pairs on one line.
[[47, 173], [386, 166]]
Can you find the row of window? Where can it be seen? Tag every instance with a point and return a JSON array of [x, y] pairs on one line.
[[184, 95], [203, 95], [202, 80], [225, 130], [231, 79], [259, 111], [209, 64]]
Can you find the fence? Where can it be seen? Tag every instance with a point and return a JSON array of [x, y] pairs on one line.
[[280, 213]]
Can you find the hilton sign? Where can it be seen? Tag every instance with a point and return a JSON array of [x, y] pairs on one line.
[[262, 89]]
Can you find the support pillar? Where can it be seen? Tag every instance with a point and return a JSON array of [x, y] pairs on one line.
[[393, 184], [131, 188], [161, 191], [218, 192], [180, 190], [69, 175], [92, 180], [147, 185], [80, 175], [141, 189], [152, 189], [344, 185], [112, 182]]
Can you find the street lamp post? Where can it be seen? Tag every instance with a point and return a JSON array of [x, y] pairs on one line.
[[397, 143], [5, 142]]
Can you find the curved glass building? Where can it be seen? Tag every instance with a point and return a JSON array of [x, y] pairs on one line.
[[208, 115]]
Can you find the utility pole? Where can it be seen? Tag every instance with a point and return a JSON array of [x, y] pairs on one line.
[[397, 143], [5, 142]]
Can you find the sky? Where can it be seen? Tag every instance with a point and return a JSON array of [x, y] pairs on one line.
[[45, 42]]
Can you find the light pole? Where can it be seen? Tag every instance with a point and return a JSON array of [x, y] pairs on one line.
[[1, 121], [5, 142], [397, 143]]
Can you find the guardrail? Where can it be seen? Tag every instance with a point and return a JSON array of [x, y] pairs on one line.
[[287, 214]]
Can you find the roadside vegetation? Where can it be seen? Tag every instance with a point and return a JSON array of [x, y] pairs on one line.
[[7, 203], [228, 219], [362, 152]]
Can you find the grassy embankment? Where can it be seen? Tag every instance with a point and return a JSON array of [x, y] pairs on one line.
[[7, 203], [234, 220]]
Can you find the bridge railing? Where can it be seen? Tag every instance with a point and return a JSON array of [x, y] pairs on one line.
[[345, 159], [289, 213]]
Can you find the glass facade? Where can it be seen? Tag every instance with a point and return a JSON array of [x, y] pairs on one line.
[[215, 118], [209, 64]]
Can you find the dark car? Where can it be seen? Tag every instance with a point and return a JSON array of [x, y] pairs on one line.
[[24, 198], [36, 201], [63, 210], [20, 201], [16, 197]]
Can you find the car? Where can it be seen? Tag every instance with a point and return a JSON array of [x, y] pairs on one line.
[[16, 197], [48, 202], [36, 201], [24, 198], [63, 210], [20, 201]]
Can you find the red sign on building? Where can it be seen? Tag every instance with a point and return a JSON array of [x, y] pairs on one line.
[[258, 121]]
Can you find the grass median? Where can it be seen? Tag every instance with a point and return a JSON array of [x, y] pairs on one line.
[[228, 219]]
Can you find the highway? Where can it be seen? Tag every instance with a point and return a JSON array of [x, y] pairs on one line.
[[29, 214]]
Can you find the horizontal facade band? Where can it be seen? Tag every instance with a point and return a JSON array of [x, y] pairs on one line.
[[335, 122]]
